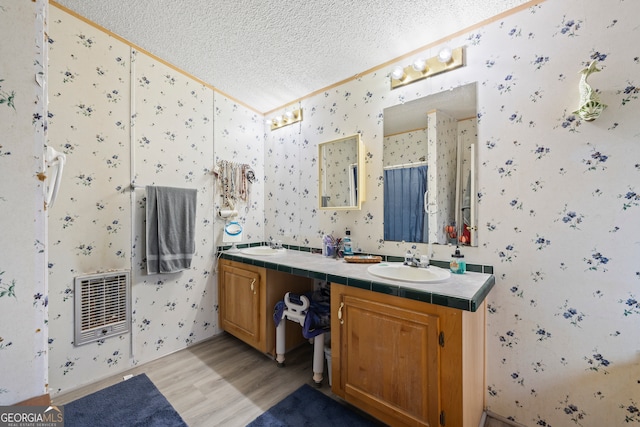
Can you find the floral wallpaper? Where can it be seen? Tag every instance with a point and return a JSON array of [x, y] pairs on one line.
[[173, 146], [123, 117], [558, 202], [283, 174], [23, 301], [239, 137], [90, 224], [442, 143], [406, 147], [557, 199]]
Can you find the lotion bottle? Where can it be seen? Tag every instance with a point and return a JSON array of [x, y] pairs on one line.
[[457, 265], [347, 248]]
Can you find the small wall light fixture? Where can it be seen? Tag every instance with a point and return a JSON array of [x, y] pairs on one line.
[[590, 105], [447, 59], [288, 118]]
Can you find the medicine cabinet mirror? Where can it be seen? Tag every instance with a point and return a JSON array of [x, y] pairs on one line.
[[341, 173], [429, 169]]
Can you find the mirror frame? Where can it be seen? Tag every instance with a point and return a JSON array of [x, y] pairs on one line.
[[361, 176]]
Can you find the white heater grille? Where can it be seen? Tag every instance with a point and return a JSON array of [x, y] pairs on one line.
[[101, 306]]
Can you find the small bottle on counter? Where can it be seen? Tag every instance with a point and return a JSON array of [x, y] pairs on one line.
[[347, 247], [457, 265]]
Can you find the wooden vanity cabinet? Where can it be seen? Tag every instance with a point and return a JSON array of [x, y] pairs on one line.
[[247, 297], [407, 362]]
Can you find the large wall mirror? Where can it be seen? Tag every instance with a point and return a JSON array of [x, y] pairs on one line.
[[429, 169], [341, 173]]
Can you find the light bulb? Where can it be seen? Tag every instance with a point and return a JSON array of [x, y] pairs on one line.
[[398, 73], [444, 55], [289, 115], [278, 119], [419, 65]]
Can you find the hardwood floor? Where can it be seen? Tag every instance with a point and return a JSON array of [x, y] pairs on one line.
[[220, 382], [223, 382]]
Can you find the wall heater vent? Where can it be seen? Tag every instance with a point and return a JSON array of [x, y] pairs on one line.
[[102, 306]]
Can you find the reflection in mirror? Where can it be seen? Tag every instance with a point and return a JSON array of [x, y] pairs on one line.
[[341, 173], [429, 168]]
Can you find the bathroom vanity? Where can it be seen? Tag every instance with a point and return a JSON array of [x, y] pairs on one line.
[[407, 362], [406, 353], [247, 295]]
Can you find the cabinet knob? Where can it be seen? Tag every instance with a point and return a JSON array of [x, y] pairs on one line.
[[340, 313]]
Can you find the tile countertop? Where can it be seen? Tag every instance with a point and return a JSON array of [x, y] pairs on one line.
[[461, 291]]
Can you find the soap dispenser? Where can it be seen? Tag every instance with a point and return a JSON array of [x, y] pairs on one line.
[[347, 248], [457, 265]]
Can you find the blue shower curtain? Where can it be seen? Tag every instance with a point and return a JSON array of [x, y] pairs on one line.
[[404, 216]]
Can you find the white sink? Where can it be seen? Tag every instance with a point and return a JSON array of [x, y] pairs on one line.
[[399, 271], [262, 250]]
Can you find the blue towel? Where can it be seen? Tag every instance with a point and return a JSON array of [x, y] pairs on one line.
[[171, 220]]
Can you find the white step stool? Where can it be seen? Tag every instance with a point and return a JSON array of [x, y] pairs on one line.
[[297, 313]]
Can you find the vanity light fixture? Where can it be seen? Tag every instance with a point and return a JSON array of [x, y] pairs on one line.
[[288, 118], [420, 65], [447, 59], [445, 55], [398, 73]]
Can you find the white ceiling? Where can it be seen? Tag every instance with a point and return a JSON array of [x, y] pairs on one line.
[[266, 54], [459, 103]]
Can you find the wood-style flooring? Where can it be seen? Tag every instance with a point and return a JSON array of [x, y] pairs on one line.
[[223, 381], [220, 382]]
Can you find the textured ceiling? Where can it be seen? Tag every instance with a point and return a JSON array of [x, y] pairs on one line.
[[266, 54]]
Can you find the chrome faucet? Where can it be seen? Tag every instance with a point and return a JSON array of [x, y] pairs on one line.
[[413, 259], [276, 244]]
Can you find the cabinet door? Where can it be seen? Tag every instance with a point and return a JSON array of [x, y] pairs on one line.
[[240, 303], [390, 361]]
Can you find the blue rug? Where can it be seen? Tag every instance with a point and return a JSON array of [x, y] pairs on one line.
[[310, 408], [134, 402]]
